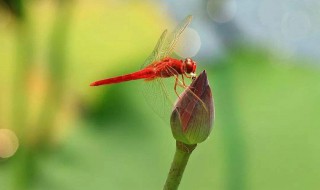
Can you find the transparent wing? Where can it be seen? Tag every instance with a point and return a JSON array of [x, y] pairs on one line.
[[166, 44], [160, 94], [155, 54], [172, 39]]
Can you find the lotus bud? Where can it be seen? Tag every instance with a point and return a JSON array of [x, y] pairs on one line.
[[193, 113]]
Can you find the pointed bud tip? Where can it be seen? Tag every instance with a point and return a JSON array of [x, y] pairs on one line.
[[201, 80]]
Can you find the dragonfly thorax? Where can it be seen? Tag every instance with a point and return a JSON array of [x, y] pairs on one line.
[[189, 66]]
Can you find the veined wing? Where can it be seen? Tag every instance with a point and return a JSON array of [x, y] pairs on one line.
[[159, 92], [160, 95], [172, 39], [166, 44], [155, 91], [155, 54]]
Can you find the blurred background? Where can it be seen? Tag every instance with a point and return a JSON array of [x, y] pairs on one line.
[[56, 132]]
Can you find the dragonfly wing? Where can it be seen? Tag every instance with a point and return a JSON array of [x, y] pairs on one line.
[[172, 39], [158, 94], [155, 55], [166, 44]]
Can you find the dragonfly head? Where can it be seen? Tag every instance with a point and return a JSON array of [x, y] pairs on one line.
[[190, 66]]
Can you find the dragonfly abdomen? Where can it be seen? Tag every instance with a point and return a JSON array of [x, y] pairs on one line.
[[142, 74]]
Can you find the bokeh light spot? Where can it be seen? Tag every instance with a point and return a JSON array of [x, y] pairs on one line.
[[221, 11], [9, 143], [189, 43]]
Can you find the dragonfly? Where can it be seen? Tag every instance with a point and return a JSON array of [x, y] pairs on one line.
[[158, 66]]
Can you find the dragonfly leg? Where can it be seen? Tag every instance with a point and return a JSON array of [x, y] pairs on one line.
[[190, 76], [183, 80], [175, 86], [183, 83], [179, 83], [185, 74]]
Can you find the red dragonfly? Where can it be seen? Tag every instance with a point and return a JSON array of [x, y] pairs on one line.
[[160, 65]]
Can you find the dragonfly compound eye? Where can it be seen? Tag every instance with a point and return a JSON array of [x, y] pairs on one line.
[[190, 65]]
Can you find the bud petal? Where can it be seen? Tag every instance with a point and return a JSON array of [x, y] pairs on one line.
[[193, 114]]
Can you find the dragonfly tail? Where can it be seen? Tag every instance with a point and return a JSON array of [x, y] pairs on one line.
[[142, 74]]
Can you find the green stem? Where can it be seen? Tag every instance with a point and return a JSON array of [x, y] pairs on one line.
[[180, 160]]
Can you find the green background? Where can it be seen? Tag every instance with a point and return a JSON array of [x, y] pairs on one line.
[[72, 136]]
